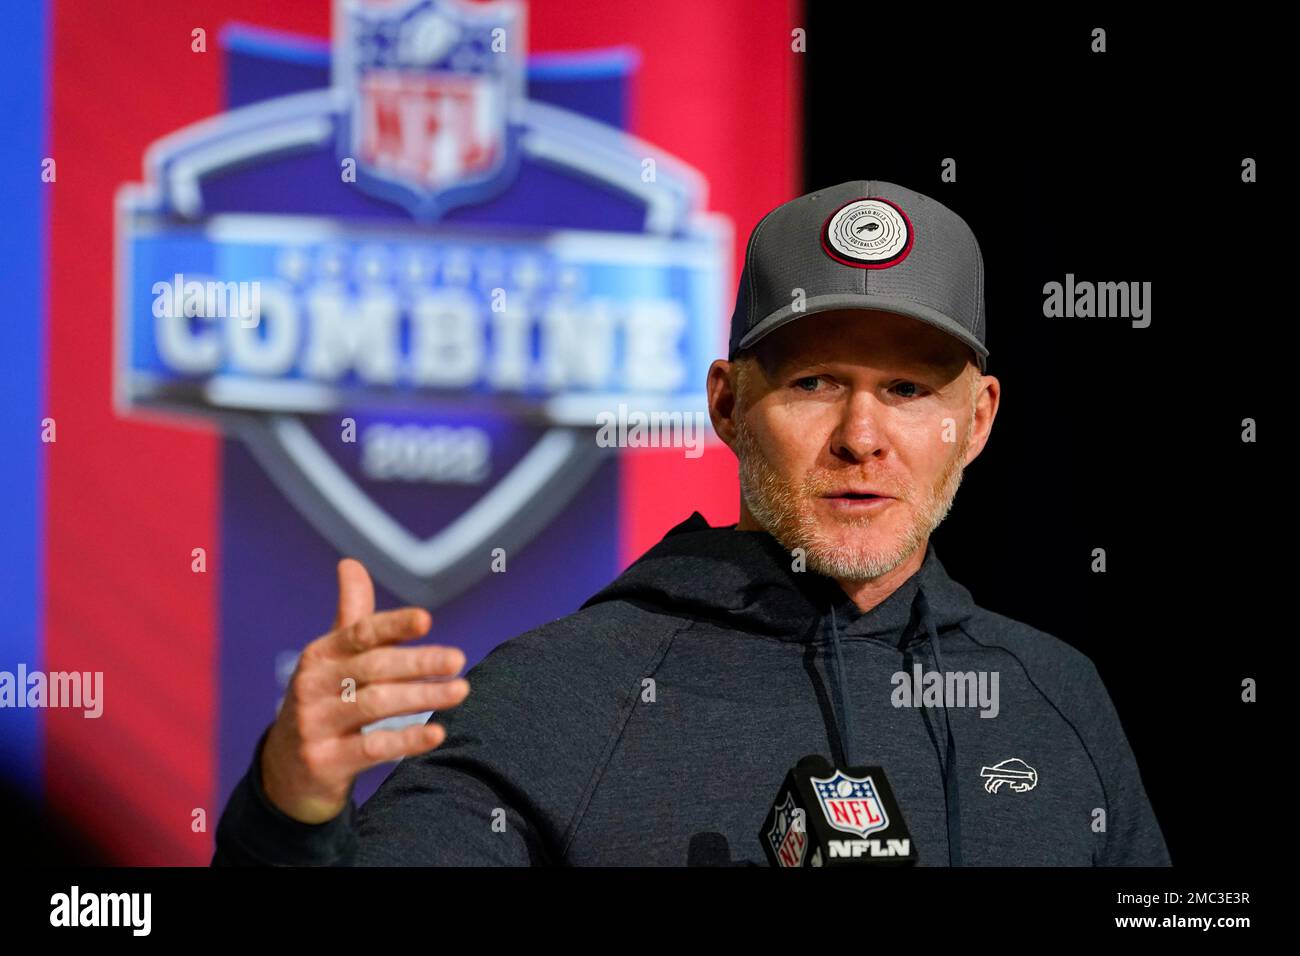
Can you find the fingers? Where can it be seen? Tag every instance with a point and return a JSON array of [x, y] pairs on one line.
[[380, 701], [324, 678], [403, 663], [386, 627], [356, 593], [360, 752]]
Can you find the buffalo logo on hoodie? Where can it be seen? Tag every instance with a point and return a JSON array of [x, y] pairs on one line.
[[1013, 771]]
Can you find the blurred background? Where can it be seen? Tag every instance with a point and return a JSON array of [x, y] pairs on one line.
[[472, 227]]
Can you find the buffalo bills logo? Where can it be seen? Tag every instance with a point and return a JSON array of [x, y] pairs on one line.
[[868, 234], [1013, 773]]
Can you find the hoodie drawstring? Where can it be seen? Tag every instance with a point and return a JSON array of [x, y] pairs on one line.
[[850, 756], [951, 792], [949, 763]]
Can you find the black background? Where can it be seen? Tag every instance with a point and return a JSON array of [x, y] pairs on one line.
[[1122, 166]]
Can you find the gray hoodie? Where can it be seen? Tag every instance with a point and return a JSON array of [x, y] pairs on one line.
[[656, 724]]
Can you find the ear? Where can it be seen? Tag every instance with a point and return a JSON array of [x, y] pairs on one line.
[[722, 400], [986, 409]]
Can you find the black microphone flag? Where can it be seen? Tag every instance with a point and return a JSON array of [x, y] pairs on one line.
[[827, 816]]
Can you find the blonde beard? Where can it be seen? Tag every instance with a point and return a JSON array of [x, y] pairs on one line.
[[784, 509]]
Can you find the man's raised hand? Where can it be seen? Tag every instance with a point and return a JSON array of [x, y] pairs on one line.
[[315, 748]]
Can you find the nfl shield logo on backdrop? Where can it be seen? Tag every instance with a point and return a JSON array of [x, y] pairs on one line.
[[851, 803], [435, 88]]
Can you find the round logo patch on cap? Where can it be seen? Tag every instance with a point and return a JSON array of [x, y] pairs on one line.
[[868, 234]]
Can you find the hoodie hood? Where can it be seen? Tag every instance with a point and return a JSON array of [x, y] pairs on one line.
[[746, 581]]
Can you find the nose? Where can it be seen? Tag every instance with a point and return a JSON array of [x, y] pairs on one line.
[[860, 433]]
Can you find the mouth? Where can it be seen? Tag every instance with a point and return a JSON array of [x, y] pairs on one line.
[[856, 493], [856, 500]]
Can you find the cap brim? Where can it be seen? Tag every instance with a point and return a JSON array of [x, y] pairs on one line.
[[883, 303]]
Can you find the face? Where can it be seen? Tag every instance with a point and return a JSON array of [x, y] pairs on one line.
[[852, 431]]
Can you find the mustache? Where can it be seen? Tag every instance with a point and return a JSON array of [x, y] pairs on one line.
[[819, 481]]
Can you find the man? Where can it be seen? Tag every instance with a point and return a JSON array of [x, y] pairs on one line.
[[656, 724]]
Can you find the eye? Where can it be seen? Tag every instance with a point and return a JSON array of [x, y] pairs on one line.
[[808, 383], [910, 385]]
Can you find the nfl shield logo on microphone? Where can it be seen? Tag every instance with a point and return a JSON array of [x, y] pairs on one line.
[[850, 803]]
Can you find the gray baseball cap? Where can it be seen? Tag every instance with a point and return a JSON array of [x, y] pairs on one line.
[[864, 244]]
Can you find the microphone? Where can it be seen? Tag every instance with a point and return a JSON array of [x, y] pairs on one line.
[[825, 816]]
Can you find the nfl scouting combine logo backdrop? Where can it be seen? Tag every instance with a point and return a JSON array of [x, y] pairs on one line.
[[406, 273], [422, 388]]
